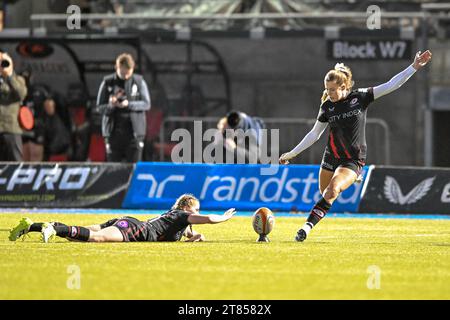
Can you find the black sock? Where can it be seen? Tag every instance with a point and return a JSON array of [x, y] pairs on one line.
[[71, 232], [36, 227], [57, 224], [318, 212]]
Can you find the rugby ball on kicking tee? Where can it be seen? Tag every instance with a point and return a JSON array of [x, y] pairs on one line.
[[263, 221]]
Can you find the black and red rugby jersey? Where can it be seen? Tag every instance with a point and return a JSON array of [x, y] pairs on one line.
[[347, 121]]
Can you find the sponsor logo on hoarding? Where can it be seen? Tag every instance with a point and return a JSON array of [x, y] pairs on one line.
[[157, 188], [393, 192], [445, 197], [34, 49], [282, 188], [56, 178]]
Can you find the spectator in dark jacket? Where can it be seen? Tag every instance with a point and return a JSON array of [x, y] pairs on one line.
[[12, 92], [123, 99]]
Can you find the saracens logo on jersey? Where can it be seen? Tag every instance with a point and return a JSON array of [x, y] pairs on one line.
[[394, 194], [122, 224]]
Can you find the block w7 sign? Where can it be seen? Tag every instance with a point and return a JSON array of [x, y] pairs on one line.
[[369, 49]]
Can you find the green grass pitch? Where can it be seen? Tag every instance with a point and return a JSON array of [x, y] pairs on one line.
[[342, 259]]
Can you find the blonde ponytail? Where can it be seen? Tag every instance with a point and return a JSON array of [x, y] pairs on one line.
[[324, 96], [342, 75]]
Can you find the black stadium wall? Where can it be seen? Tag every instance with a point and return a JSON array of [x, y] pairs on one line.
[[283, 77], [273, 77]]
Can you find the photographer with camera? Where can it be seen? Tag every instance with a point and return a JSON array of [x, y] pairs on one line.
[[123, 99], [12, 92], [238, 145]]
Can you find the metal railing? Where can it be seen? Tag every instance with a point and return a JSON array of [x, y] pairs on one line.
[[41, 19], [288, 141]]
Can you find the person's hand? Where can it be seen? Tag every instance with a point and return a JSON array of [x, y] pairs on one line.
[[222, 125], [6, 72], [196, 238], [124, 104], [229, 213], [285, 157], [421, 59], [113, 101]]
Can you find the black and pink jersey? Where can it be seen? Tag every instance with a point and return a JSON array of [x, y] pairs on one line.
[[169, 226], [347, 121]]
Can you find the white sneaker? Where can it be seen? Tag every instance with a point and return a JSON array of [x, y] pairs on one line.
[[48, 232]]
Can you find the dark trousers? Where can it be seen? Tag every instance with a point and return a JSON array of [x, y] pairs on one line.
[[123, 146], [11, 147]]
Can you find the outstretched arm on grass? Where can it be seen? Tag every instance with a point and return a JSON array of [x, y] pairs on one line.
[[211, 218]]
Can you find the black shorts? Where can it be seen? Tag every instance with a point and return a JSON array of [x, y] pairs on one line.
[[132, 229], [330, 163]]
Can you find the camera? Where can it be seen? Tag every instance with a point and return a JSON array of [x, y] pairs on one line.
[[5, 63], [121, 98]]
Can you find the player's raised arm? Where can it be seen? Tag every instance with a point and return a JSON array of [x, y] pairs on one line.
[[310, 138], [420, 60], [211, 218]]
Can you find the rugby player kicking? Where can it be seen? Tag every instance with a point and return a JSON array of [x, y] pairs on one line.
[[344, 110]]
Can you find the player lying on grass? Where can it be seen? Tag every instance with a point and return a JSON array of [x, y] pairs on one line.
[[344, 110], [169, 226]]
